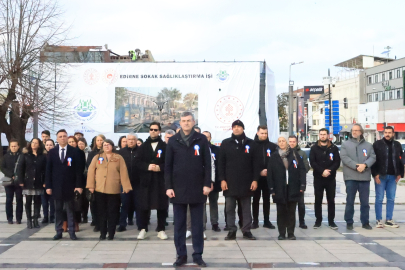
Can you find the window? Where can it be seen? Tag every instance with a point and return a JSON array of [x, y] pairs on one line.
[[314, 122], [370, 97], [399, 73], [369, 79], [376, 97], [321, 111], [383, 95], [383, 77], [376, 78], [314, 109], [398, 93], [391, 95], [390, 75]]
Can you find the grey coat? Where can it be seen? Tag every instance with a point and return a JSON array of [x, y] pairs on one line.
[[355, 152]]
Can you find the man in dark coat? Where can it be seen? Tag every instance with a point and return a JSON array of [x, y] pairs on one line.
[[214, 194], [239, 172], [325, 160], [188, 183], [387, 171], [129, 200], [264, 150], [150, 162], [63, 177]]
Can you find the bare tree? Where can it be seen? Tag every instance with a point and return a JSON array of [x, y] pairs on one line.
[[27, 85]]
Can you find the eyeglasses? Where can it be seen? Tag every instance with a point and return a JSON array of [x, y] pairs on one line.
[[155, 130]]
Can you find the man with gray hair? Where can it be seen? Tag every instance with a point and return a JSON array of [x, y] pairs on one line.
[[128, 200], [357, 156], [168, 134]]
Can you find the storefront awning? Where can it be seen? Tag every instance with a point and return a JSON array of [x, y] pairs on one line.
[[398, 127]]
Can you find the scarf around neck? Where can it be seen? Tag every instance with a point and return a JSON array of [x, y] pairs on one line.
[[284, 154], [240, 139]]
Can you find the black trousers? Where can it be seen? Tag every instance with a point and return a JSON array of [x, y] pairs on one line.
[[321, 185], [244, 203], [143, 216], [10, 190], [262, 188], [197, 228], [240, 215], [286, 217], [28, 206], [301, 209], [85, 204], [108, 206], [48, 206], [59, 215]]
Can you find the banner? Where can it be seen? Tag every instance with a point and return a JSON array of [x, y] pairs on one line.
[[118, 98]]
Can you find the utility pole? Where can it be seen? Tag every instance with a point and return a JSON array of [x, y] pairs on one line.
[[330, 107], [291, 101], [35, 114]]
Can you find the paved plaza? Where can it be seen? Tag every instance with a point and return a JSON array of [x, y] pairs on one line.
[[22, 248]]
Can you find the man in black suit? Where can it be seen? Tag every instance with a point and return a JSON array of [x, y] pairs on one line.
[[64, 172], [188, 183]]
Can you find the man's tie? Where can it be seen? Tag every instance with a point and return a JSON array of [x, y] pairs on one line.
[[62, 156]]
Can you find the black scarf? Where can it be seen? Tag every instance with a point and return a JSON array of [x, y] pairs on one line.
[[149, 139], [241, 139]]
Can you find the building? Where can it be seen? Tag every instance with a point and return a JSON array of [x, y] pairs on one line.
[[91, 54], [384, 85]]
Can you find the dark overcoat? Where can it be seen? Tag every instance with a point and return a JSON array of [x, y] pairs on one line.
[[152, 191], [187, 170], [62, 178], [277, 177]]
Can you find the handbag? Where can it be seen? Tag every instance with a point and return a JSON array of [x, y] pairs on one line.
[[77, 202], [8, 181]]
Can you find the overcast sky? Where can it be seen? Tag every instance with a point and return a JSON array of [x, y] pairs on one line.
[[320, 33]]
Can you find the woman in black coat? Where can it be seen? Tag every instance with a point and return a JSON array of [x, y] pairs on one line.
[[7, 167], [286, 178], [152, 192], [31, 177]]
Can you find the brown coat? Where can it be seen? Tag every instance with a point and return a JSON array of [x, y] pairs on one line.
[[108, 176]]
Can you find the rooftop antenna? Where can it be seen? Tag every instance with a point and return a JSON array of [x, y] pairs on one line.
[[387, 51]]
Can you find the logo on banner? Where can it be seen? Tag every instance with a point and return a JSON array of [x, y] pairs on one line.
[[110, 76], [91, 76], [85, 109], [228, 109], [222, 76]]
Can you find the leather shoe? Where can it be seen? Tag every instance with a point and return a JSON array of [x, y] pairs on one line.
[[303, 226], [267, 224], [52, 220], [249, 235], [121, 229], [102, 237], [57, 236], [215, 228], [200, 262], [226, 228], [85, 220], [255, 225], [73, 236], [130, 222], [231, 236], [292, 237], [180, 261], [96, 229], [18, 221], [281, 237], [10, 222], [110, 237], [45, 220]]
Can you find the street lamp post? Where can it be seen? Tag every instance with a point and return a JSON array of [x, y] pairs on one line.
[[291, 101]]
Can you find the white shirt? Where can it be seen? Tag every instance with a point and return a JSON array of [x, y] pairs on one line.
[[60, 151], [154, 145]]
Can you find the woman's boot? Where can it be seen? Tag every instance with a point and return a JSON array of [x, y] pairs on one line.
[[37, 209], [29, 216]]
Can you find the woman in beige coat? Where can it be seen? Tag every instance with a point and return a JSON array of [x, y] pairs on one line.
[[107, 173]]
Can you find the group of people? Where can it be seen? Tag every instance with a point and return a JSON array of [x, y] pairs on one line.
[[187, 169]]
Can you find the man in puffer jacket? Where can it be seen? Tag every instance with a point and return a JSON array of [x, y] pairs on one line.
[[357, 156]]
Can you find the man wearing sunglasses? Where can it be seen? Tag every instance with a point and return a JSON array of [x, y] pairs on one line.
[[129, 200], [150, 162]]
